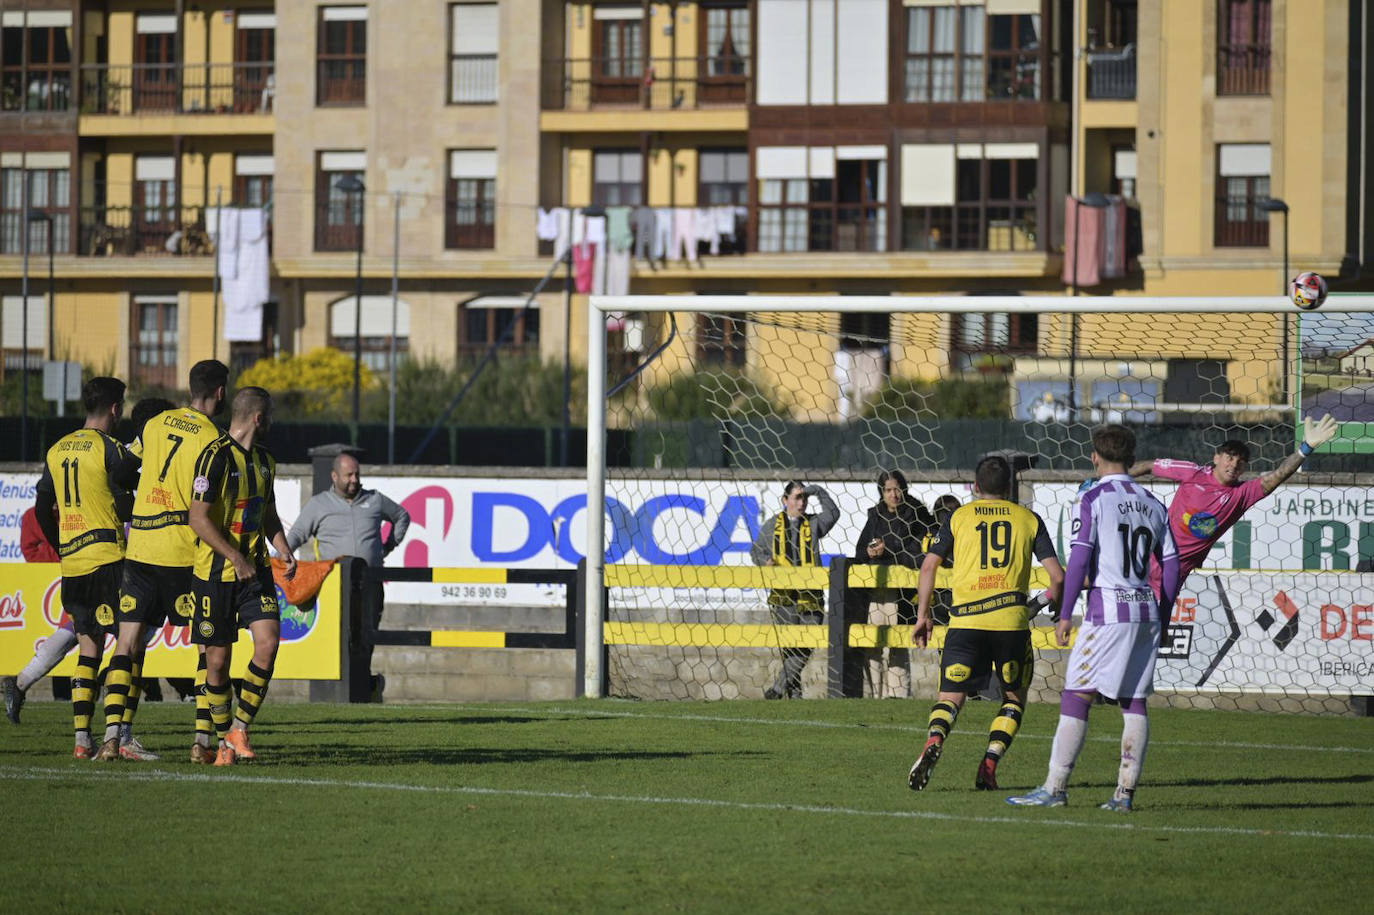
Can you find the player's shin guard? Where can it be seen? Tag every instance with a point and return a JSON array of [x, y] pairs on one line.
[[1135, 737], [252, 694], [942, 717], [219, 698], [1003, 729], [117, 680], [83, 693], [1068, 738], [205, 727]]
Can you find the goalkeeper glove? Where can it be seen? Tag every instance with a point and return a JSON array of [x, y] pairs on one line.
[[1317, 433], [1038, 603]]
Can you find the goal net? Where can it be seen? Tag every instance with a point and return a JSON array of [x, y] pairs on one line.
[[702, 408]]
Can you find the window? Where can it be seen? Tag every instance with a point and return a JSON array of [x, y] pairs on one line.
[[721, 341], [725, 52], [255, 54], [617, 177], [474, 40], [1243, 47], [22, 351], [944, 54], [376, 329], [36, 61], [992, 194], [1242, 185], [1014, 57], [155, 71], [471, 199], [341, 77], [156, 215], [339, 213], [500, 320], [723, 176], [49, 193], [978, 339], [253, 179], [865, 330], [1123, 171], [617, 54], [153, 342], [822, 198]]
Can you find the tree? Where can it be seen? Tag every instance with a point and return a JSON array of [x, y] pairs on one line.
[[944, 398], [316, 385]]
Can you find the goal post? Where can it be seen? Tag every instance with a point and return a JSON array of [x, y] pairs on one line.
[[743, 393]]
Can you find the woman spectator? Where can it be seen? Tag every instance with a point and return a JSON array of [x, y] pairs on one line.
[[894, 534]]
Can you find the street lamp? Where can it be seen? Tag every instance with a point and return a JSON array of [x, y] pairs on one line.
[[1097, 201], [37, 216], [1275, 205], [351, 184]]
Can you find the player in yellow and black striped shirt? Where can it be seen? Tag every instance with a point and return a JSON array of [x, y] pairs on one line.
[[157, 568], [234, 513], [993, 542], [88, 528]]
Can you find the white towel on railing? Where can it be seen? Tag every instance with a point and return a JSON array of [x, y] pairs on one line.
[[248, 288], [223, 225]]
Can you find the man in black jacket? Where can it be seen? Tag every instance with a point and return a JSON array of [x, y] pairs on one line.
[[894, 534]]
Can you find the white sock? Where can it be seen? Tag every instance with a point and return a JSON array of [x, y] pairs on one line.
[[1135, 737], [1068, 743], [48, 655]]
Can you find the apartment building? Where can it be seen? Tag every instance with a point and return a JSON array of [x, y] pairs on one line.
[[859, 146]]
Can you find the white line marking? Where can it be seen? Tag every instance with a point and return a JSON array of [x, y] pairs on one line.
[[37, 773], [496, 710]]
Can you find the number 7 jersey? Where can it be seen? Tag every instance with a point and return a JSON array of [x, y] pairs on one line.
[[160, 533]]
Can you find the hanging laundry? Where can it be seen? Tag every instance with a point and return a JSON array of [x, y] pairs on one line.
[[617, 271], [663, 233], [584, 264], [619, 235], [684, 245], [704, 220], [546, 224], [644, 232]]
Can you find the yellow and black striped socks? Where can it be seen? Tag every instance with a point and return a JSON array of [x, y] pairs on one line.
[[1003, 729], [942, 717], [205, 727], [135, 689], [219, 699], [117, 680], [83, 695], [252, 693]]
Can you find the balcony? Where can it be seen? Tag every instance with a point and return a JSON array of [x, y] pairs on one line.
[[240, 88], [1111, 73], [661, 83], [47, 90], [143, 231], [1243, 69]]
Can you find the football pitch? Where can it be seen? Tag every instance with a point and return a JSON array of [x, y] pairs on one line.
[[725, 806]]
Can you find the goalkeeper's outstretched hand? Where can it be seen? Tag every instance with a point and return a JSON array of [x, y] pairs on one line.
[[1319, 432]]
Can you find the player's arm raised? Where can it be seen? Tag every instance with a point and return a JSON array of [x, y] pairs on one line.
[[1315, 434]]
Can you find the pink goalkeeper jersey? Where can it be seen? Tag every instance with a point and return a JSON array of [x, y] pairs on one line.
[[1201, 511]]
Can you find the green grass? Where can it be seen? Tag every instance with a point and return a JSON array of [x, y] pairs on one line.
[[728, 806]]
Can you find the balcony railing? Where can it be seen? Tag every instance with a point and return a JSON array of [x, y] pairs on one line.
[[659, 83], [1111, 74], [1243, 70], [241, 88], [47, 90], [134, 231]]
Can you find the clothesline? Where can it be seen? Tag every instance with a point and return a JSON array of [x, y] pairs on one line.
[[602, 246]]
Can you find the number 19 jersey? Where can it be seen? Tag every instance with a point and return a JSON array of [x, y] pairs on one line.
[[994, 543], [160, 533]]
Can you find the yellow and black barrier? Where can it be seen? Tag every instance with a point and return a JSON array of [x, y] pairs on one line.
[[357, 574], [840, 634]]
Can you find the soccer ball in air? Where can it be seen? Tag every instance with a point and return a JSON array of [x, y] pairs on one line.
[[1307, 290]]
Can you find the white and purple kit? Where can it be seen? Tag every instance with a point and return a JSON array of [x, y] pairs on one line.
[[1119, 528]]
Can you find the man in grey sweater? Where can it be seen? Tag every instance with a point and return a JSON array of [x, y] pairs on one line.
[[346, 520], [792, 538]]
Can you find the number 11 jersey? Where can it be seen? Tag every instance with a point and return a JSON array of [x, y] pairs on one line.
[[160, 533]]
